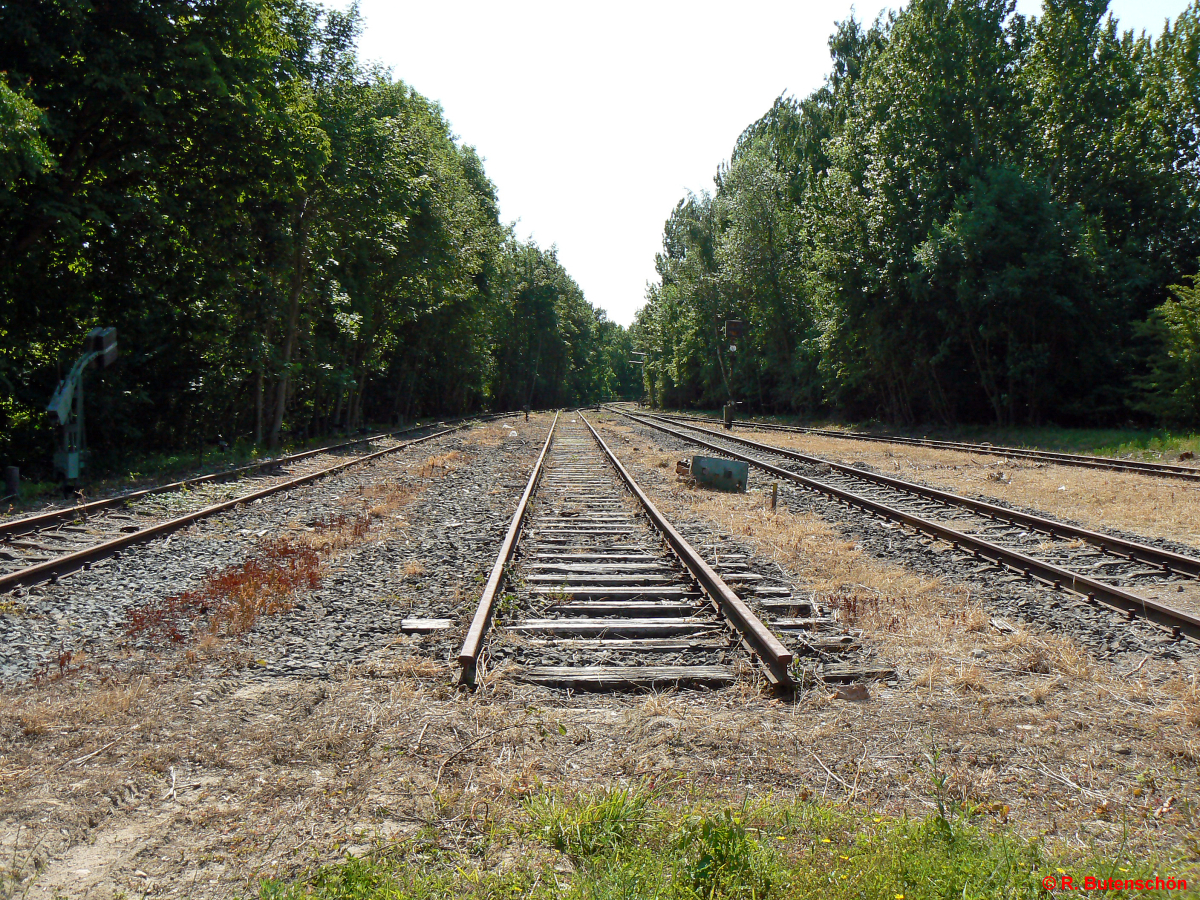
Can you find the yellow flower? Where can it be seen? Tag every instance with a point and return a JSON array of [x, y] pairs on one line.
[[781, 837], [1061, 871], [878, 819], [844, 857], [899, 897], [826, 841]]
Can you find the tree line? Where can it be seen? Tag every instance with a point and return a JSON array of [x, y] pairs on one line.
[[978, 217], [288, 241]]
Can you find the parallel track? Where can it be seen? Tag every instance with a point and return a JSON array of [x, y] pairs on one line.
[[1164, 470], [1095, 566], [43, 547], [13, 527], [601, 583]]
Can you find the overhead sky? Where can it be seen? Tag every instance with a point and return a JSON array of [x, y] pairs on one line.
[[595, 118]]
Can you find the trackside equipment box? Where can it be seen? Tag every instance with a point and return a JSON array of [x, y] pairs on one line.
[[722, 474]]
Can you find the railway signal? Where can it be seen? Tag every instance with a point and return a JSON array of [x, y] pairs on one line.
[[733, 333], [99, 351]]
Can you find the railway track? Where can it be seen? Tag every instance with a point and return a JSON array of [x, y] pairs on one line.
[[1164, 470], [1100, 568], [43, 547], [603, 593]]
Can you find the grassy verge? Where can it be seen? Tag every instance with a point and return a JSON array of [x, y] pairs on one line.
[[636, 844], [1135, 443], [1155, 444]]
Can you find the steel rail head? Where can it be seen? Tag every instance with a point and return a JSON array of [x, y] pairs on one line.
[[1177, 621], [468, 656], [71, 561], [758, 638], [1186, 565]]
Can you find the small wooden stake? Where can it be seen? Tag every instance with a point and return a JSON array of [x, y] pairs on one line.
[[774, 495]]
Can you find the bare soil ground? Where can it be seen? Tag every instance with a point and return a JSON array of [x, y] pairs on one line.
[[195, 781]]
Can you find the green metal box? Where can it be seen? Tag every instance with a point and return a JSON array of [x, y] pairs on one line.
[[722, 474]]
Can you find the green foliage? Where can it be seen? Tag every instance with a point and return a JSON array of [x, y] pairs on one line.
[[550, 346], [1175, 377], [625, 845], [721, 860], [1009, 271], [288, 242], [23, 149], [965, 223], [587, 826]]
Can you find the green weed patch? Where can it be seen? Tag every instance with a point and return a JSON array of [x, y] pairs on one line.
[[629, 844]]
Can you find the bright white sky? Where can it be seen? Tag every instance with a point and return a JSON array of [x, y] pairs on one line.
[[595, 118]]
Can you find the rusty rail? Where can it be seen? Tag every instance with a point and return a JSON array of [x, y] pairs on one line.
[[468, 656], [1165, 559], [1141, 467], [757, 638], [1178, 622], [34, 523], [53, 568]]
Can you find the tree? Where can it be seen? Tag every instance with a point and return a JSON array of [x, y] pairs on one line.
[[966, 222], [287, 241]]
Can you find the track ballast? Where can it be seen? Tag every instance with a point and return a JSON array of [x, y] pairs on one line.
[[603, 593]]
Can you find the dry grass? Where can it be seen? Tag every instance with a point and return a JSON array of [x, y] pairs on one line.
[[1186, 708], [807, 544], [971, 680], [231, 600], [386, 498], [271, 776], [33, 723], [440, 465], [333, 533], [487, 436]]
